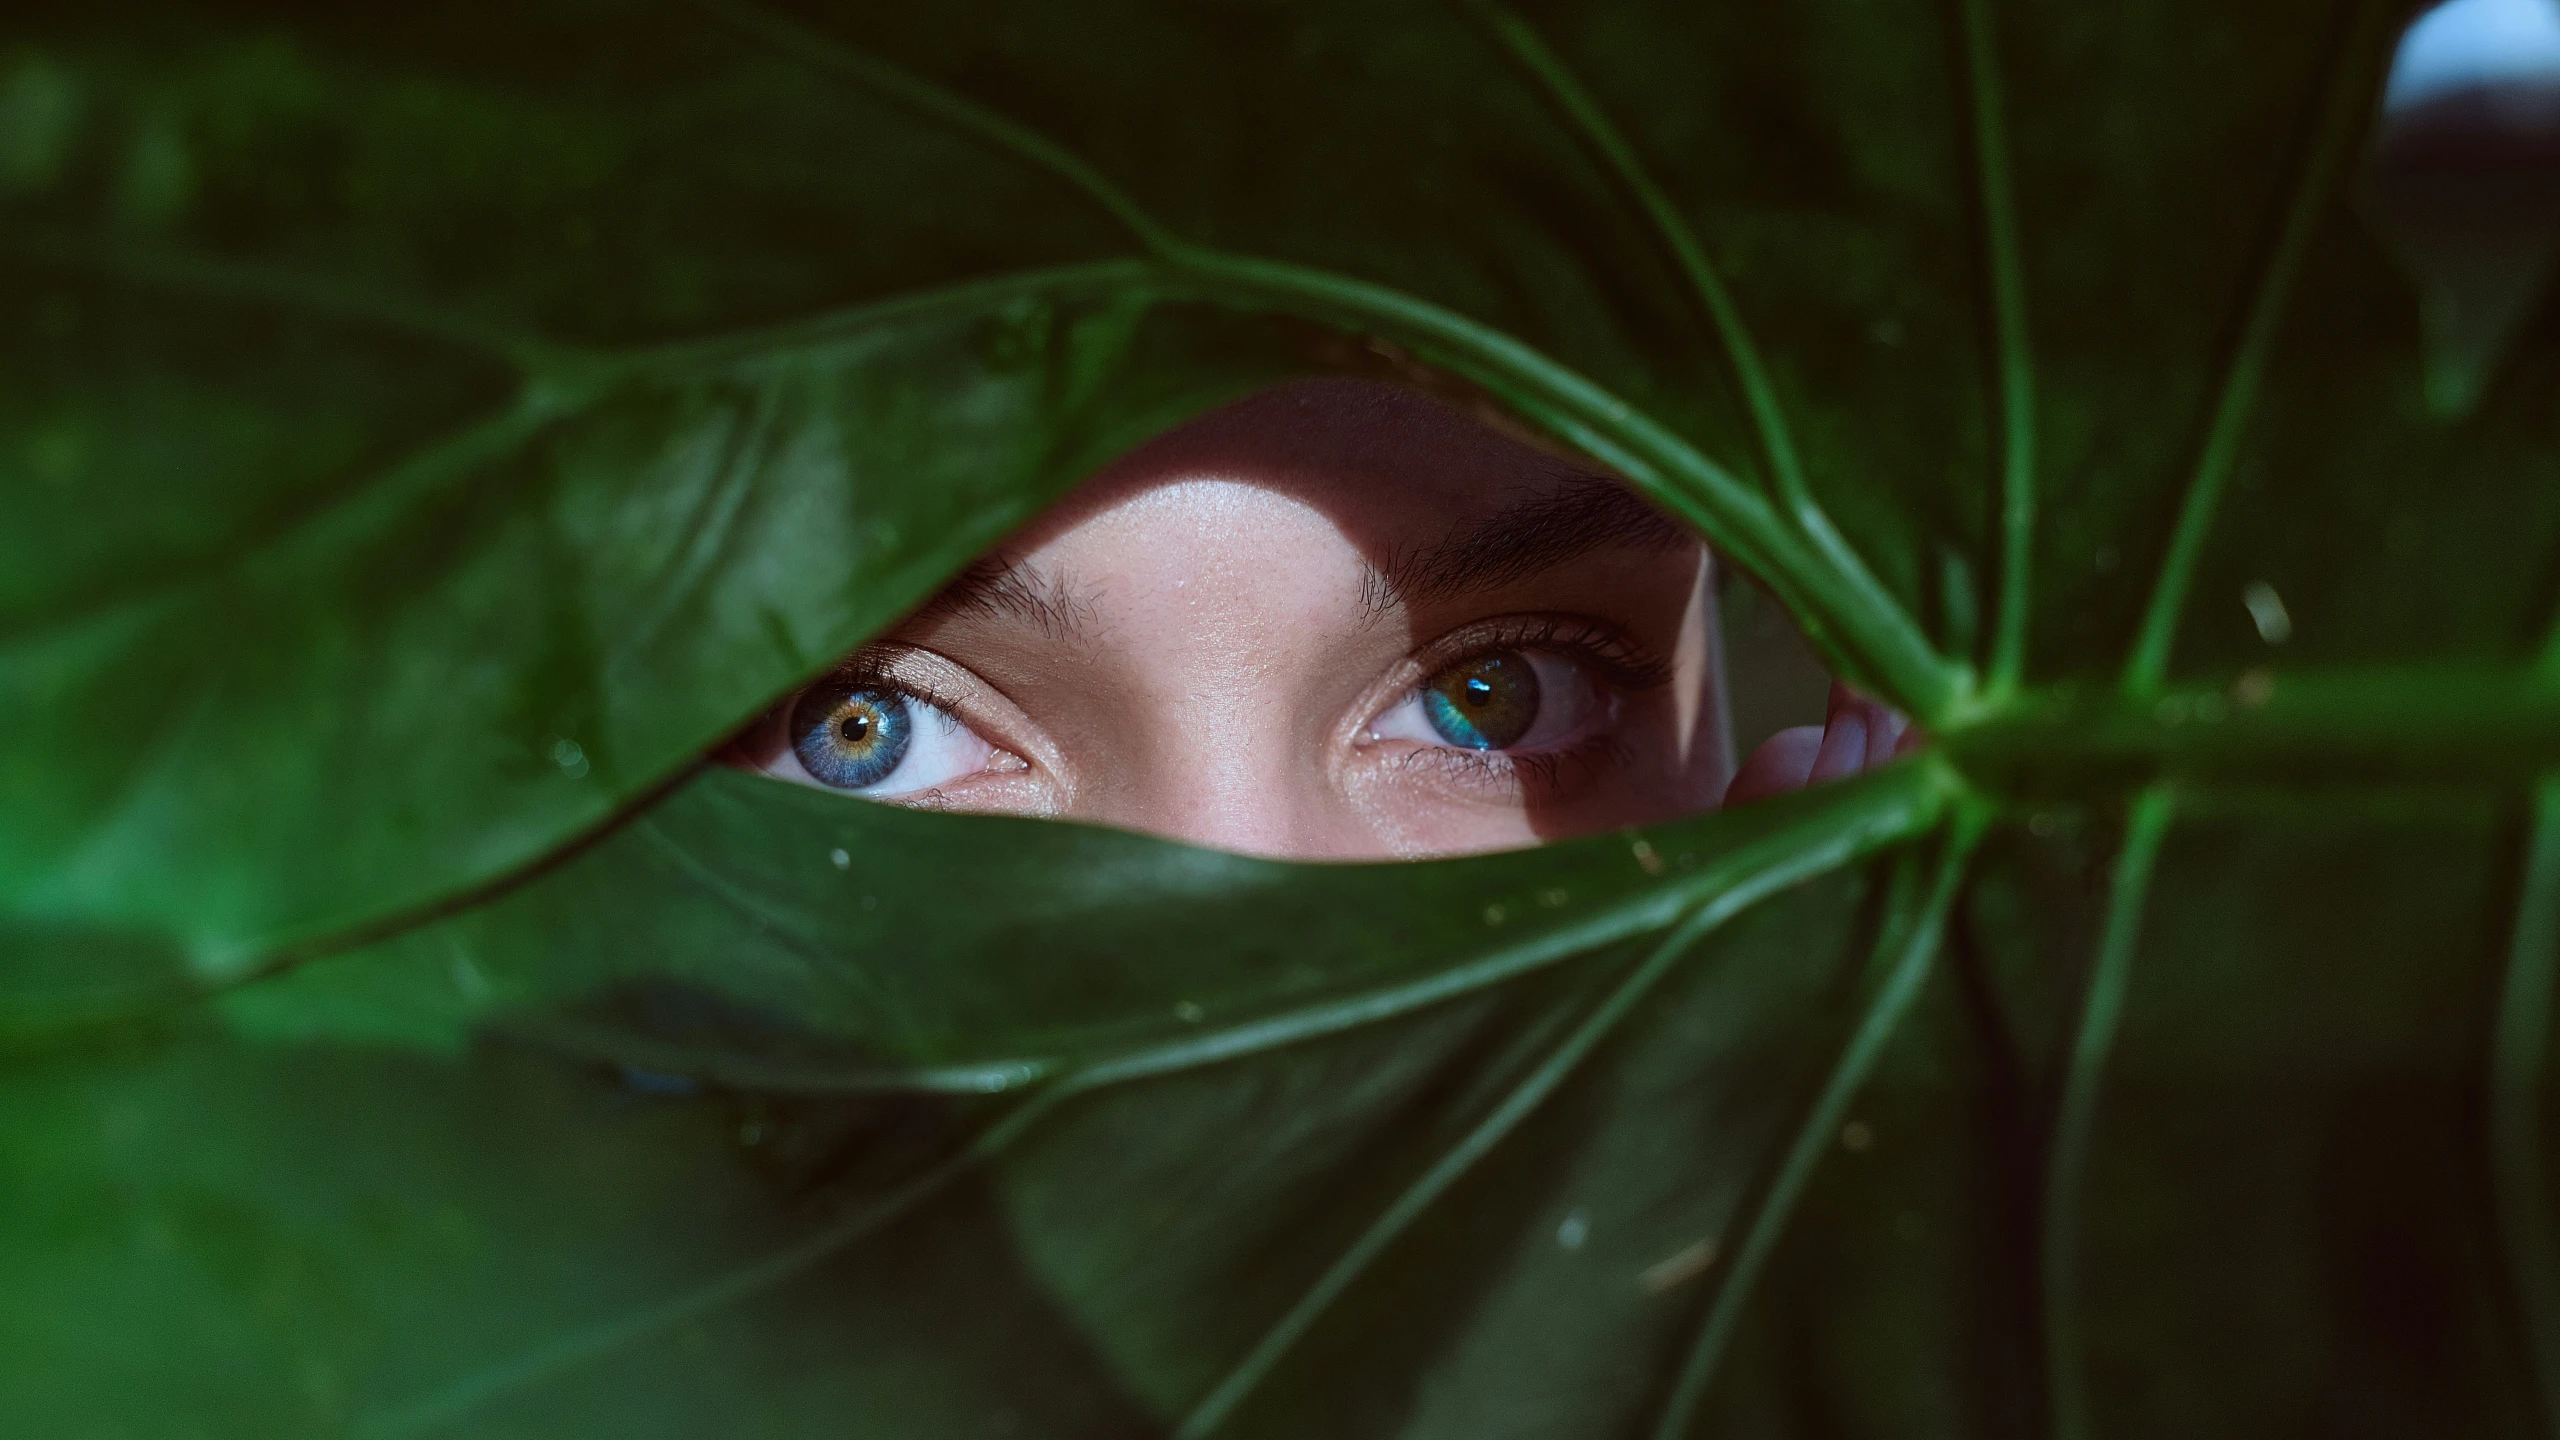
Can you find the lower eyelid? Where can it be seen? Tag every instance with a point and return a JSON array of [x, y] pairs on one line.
[[1517, 773]]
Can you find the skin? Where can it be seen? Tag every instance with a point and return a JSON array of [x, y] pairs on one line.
[[1226, 638]]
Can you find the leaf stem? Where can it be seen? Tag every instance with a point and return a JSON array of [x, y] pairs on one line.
[[1915, 937], [2006, 266], [2344, 106], [2075, 1119], [2518, 1081], [2435, 725]]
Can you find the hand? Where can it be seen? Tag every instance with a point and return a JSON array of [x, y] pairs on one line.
[[1858, 734]]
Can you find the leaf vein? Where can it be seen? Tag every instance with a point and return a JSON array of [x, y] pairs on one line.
[[2006, 267], [1813, 1136], [463, 1398], [2518, 1085], [2075, 1118], [1590, 124], [1561, 1064], [1829, 587], [2342, 105], [1862, 817]]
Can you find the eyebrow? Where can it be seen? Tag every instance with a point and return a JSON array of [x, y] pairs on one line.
[[994, 585], [1589, 513]]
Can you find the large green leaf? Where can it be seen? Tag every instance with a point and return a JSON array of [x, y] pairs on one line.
[[423, 433]]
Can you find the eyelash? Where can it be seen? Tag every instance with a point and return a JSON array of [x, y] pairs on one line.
[[1619, 662], [870, 668]]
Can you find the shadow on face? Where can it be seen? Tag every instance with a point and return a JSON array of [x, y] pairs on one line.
[[1336, 619]]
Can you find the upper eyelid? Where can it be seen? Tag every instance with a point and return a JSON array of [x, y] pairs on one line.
[[874, 664], [1621, 660]]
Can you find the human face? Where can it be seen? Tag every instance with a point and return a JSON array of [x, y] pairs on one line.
[[1333, 620]]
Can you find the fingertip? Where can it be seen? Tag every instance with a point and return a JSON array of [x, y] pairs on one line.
[[1840, 698], [1885, 729], [1844, 745], [1781, 763]]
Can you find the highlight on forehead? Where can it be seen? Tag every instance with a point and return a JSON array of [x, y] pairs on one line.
[[1334, 437], [1342, 442]]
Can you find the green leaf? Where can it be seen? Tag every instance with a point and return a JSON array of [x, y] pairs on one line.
[[490, 645], [739, 914], [424, 434], [1360, 1065]]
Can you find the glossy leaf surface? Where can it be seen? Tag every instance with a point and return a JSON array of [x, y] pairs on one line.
[[424, 433]]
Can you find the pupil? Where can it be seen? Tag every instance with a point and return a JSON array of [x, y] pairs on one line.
[[854, 728], [1479, 690]]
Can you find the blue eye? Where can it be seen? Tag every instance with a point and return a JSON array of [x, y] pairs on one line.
[[851, 736], [1484, 702]]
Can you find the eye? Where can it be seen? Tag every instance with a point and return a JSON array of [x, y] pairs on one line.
[[1511, 700], [871, 739], [1486, 703]]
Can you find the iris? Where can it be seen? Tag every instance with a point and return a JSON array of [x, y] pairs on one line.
[[1484, 702], [851, 736]]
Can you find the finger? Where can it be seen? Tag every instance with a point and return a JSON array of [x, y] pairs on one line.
[[1885, 729], [1840, 698], [1844, 739], [1781, 763]]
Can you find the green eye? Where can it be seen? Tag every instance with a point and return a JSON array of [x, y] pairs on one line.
[[1484, 702]]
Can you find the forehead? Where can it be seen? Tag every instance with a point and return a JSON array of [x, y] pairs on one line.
[[1389, 467]]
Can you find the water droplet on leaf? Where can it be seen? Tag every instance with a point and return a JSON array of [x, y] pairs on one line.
[[1575, 1229], [2266, 610]]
